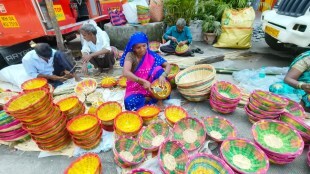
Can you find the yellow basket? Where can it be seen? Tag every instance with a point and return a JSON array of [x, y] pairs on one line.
[[181, 49], [27, 101], [108, 82], [83, 123], [86, 164], [148, 112], [174, 113], [128, 123], [35, 84], [108, 111], [122, 81], [69, 103]]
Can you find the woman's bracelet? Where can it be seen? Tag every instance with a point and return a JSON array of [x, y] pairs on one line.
[[300, 84], [164, 74]]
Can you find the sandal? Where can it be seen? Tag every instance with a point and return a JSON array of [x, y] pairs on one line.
[[198, 50]]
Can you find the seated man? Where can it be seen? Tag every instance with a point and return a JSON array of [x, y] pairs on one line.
[[179, 35], [48, 63], [96, 49]]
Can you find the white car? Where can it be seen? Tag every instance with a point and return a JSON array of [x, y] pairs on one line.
[[288, 23]]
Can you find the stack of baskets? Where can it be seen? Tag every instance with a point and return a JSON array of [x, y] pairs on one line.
[[281, 142], [299, 124], [295, 109], [88, 163], [11, 130], [174, 113], [71, 107], [149, 113], [41, 118], [85, 131], [224, 97], [195, 82], [143, 14], [37, 83], [175, 69], [128, 123], [264, 105], [107, 112]]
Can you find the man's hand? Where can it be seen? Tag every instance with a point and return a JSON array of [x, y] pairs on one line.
[[173, 39], [84, 69], [86, 58], [58, 78], [182, 43]]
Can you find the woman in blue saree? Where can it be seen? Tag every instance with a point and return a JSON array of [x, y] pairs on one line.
[[296, 85], [141, 66]]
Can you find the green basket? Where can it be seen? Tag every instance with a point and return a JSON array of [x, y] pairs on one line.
[[219, 129]]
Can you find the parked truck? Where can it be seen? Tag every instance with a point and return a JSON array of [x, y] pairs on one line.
[[24, 20], [287, 24]]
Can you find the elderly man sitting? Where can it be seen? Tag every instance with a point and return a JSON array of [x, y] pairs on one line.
[[179, 35], [96, 49]]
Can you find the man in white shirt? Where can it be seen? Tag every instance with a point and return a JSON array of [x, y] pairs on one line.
[[48, 63], [96, 49]]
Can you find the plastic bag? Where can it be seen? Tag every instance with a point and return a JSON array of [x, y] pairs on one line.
[[130, 10], [117, 18]]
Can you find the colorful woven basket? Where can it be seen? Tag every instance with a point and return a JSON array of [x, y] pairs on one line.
[[220, 109], [269, 99], [190, 132], [148, 113], [35, 83], [141, 171], [207, 163], [108, 111], [154, 46], [153, 136], [89, 163], [68, 104], [244, 156], [172, 157], [175, 69], [278, 140], [219, 129], [108, 82], [174, 113], [128, 123], [86, 86], [181, 49], [122, 81], [5, 118], [226, 92], [82, 124], [159, 92], [128, 152], [295, 109]]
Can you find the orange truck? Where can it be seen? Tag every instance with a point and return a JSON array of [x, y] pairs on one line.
[[24, 20]]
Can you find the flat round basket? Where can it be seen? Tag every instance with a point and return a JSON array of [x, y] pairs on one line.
[[207, 163], [122, 81], [6, 96], [175, 113], [69, 103], [195, 75], [95, 97], [128, 123], [159, 92], [226, 92], [128, 152], [219, 129], [88, 163], [154, 46], [153, 136], [82, 123], [35, 83], [108, 111], [149, 112], [108, 82], [60, 97], [190, 132], [86, 86], [172, 157], [181, 49], [244, 156], [295, 109], [277, 137], [141, 171], [269, 99]]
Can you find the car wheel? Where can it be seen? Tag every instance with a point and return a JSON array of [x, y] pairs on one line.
[[273, 43]]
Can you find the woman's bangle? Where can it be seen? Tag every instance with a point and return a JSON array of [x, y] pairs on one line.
[[300, 84], [138, 79], [164, 74]]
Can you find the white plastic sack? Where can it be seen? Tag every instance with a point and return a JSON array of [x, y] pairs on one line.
[[15, 74], [130, 10]]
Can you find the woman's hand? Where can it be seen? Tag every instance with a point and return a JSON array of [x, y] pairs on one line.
[[146, 85], [306, 87], [162, 81]]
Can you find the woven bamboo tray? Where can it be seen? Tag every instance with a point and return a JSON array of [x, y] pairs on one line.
[[219, 129], [108, 111], [174, 113], [148, 113], [86, 86], [226, 92], [163, 92], [108, 82], [181, 49], [128, 123], [88, 163], [35, 83], [269, 99]]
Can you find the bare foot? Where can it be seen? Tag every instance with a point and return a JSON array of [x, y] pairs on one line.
[[161, 105], [98, 72]]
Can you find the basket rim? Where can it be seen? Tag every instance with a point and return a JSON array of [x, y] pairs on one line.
[[135, 142], [219, 109], [128, 112], [81, 158], [296, 119], [299, 150], [78, 117], [248, 142], [167, 83], [149, 106], [221, 118], [285, 103], [260, 116], [149, 127], [87, 79], [213, 157], [174, 106], [213, 72], [108, 103], [161, 163], [34, 79], [134, 171], [109, 85], [67, 98], [299, 107], [119, 83], [264, 112], [214, 87]]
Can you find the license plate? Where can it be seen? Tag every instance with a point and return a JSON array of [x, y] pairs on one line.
[[272, 32]]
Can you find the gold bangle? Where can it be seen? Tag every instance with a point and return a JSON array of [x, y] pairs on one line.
[[138, 79], [300, 84]]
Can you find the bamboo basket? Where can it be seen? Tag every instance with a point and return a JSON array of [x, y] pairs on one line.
[[122, 81], [89, 163], [128, 123], [107, 112], [35, 83], [86, 86], [219, 129], [165, 90], [174, 113], [148, 113], [108, 82]]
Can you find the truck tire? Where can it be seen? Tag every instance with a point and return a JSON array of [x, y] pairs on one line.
[[273, 43]]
